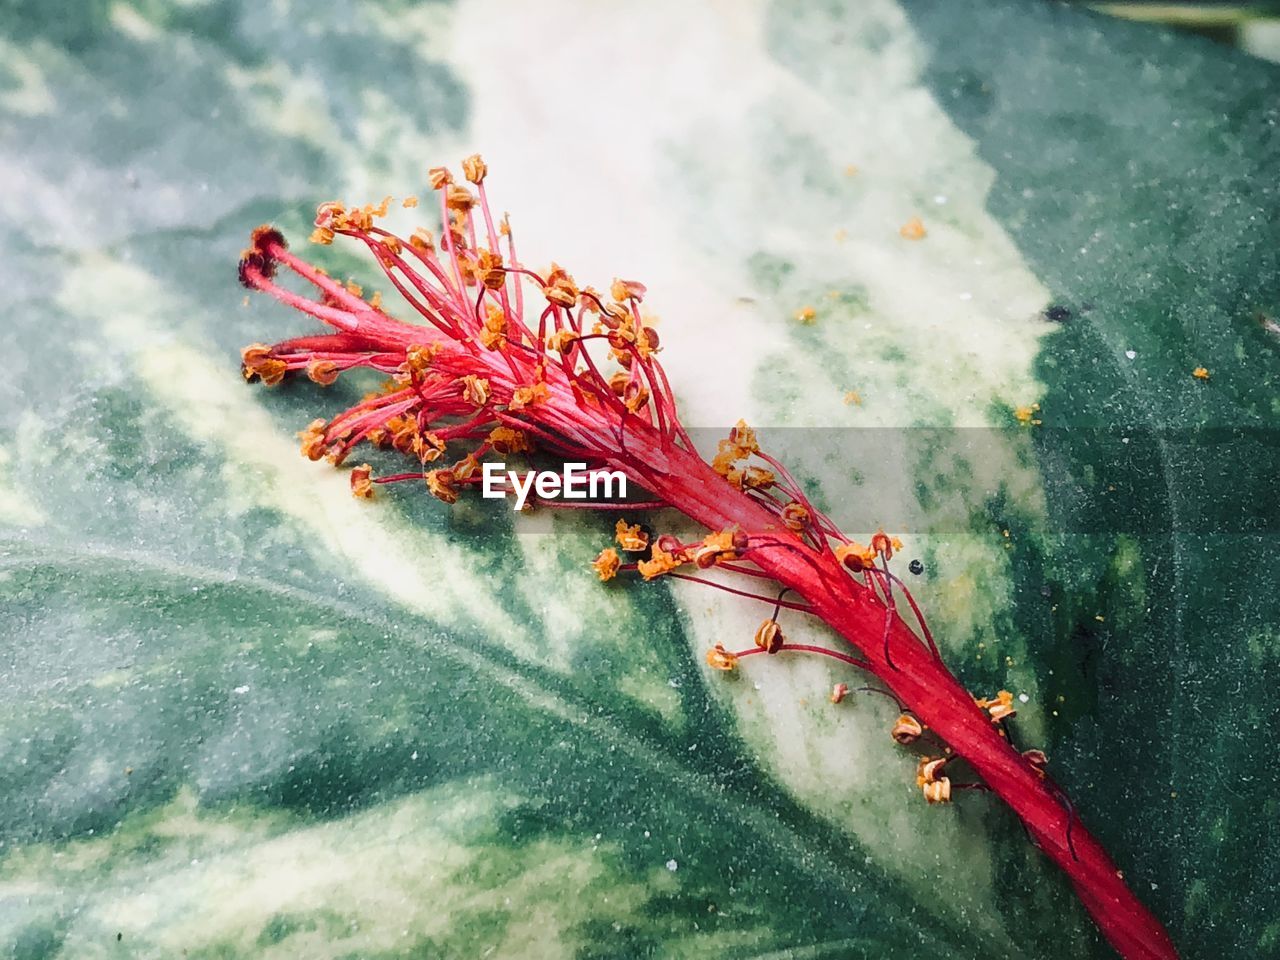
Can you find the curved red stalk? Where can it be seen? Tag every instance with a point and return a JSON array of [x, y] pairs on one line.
[[477, 367]]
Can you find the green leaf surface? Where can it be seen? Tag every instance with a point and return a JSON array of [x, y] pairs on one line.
[[249, 716]]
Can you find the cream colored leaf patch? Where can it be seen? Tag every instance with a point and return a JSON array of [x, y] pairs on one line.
[[692, 195]]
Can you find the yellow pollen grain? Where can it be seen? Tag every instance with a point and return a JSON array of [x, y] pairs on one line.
[[1200, 373], [913, 229], [806, 314], [409, 202], [842, 235], [853, 397], [851, 170]]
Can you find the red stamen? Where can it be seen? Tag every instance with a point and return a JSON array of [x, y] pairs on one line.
[[458, 372]]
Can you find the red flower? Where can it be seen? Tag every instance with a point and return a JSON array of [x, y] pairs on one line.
[[497, 374]]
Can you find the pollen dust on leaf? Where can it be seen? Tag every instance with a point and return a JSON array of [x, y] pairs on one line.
[[913, 229]]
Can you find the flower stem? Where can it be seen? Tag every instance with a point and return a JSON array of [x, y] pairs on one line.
[[477, 366]]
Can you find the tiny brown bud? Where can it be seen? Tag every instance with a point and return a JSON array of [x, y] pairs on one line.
[[443, 485], [459, 198], [362, 482], [475, 169], [721, 659], [669, 544], [1037, 760], [769, 636], [881, 544], [907, 730], [937, 791], [795, 516], [475, 389], [622, 290], [323, 372], [314, 446], [635, 397], [929, 770]]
